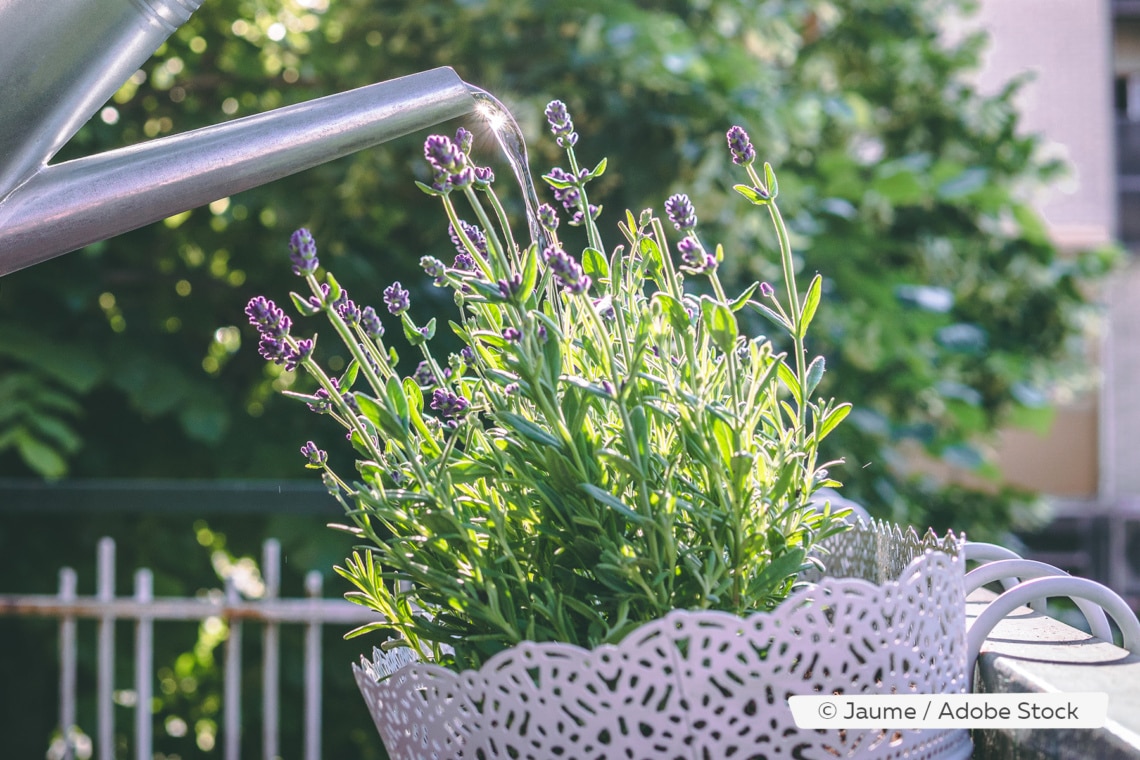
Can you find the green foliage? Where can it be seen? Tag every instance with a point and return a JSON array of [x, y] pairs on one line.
[[607, 448], [947, 311]]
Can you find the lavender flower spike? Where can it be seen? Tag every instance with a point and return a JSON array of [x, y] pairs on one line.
[[303, 252], [560, 124], [397, 299], [316, 457], [443, 154], [268, 318], [680, 211], [448, 404], [548, 217], [740, 145], [371, 324]]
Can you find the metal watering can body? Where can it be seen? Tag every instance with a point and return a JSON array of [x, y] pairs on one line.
[[63, 59]]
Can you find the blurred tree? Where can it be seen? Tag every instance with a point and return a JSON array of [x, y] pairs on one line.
[[948, 310]]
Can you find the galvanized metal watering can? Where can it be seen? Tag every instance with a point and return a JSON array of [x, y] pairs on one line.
[[61, 60]]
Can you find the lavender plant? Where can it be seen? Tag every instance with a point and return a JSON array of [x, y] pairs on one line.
[[608, 446]]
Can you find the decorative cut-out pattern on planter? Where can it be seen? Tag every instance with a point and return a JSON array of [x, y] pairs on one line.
[[700, 684]]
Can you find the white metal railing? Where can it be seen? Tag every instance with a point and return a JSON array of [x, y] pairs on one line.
[[144, 609]]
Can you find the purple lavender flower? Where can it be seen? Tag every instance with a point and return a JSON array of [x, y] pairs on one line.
[[740, 145], [567, 196], [508, 289], [767, 290], [434, 268], [694, 258], [579, 217], [371, 324], [443, 154], [560, 124], [316, 456], [511, 389], [511, 335], [318, 301], [474, 234], [465, 177], [303, 252], [464, 262], [267, 317], [484, 177], [448, 404], [448, 162], [464, 140], [424, 376], [273, 349], [294, 357], [567, 270], [548, 217], [680, 212], [397, 299], [347, 309], [323, 403], [467, 354]]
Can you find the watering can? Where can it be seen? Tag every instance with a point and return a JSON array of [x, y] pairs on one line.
[[63, 59]]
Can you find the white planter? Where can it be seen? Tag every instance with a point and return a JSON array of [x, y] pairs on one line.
[[889, 618]]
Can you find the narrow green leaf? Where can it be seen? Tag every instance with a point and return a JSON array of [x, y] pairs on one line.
[[811, 303], [552, 359], [303, 306], [788, 377], [831, 420], [428, 189], [770, 181], [370, 409], [398, 399], [739, 302], [674, 310], [640, 425], [787, 474], [414, 396], [722, 435], [528, 429], [594, 264], [347, 380], [720, 322], [611, 501], [558, 184], [529, 273], [367, 627], [598, 170], [486, 289], [411, 332], [815, 372], [334, 287], [754, 195], [771, 314]]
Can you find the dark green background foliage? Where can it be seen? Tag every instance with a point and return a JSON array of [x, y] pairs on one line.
[[946, 310]]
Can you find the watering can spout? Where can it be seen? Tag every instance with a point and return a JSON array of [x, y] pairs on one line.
[[64, 60]]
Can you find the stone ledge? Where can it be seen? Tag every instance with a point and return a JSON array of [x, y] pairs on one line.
[[1029, 652]]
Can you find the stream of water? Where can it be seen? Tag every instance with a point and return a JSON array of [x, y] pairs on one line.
[[510, 138]]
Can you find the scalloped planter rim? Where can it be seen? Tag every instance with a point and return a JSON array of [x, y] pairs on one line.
[[889, 618]]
